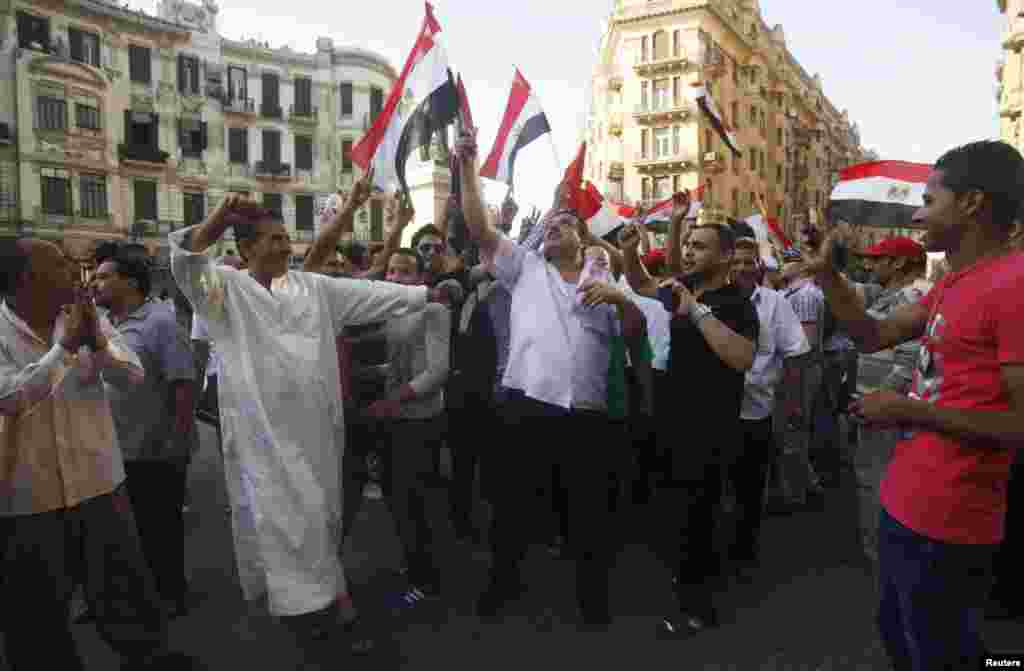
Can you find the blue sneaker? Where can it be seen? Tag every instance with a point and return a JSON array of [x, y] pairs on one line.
[[410, 598]]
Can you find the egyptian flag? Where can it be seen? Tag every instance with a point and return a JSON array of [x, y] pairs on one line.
[[465, 116], [427, 80], [707, 103], [661, 212], [880, 193], [601, 216], [524, 122], [766, 228]]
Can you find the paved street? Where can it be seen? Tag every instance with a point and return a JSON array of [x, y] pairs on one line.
[[808, 609]]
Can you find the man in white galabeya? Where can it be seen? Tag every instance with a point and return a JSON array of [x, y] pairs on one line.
[[280, 409]]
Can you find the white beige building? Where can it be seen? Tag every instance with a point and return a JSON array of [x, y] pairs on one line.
[[1010, 74], [647, 137], [115, 123]]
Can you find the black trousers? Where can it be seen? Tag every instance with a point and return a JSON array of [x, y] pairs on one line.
[[541, 437], [748, 474], [1009, 583], [43, 557], [157, 492], [686, 536], [473, 419]]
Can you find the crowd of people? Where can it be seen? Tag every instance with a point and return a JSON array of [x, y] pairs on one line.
[[601, 368]]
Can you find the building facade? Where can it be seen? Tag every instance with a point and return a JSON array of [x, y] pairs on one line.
[[647, 138], [118, 124], [1010, 74]]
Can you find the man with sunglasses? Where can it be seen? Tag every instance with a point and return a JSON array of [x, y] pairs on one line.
[[557, 373]]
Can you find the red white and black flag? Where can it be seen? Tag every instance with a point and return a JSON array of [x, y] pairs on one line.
[[428, 82], [707, 103], [879, 193], [524, 122]]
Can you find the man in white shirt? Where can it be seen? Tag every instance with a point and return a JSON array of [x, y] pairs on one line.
[[557, 374], [780, 340], [276, 331]]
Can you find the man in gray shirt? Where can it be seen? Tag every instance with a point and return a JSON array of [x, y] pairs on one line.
[[419, 353], [154, 421]]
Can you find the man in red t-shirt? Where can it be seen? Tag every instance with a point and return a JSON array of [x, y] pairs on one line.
[[944, 493]]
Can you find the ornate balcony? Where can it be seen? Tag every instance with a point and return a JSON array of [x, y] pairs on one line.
[[662, 66], [243, 106], [141, 153], [268, 170], [713, 162], [302, 114], [616, 171], [666, 112], [664, 162], [615, 83]]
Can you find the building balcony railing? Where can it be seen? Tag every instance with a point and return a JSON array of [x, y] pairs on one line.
[[269, 169], [145, 153], [302, 114], [615, 83], [666, 111], [1010, 104], [240, 170], [304, 174], [664, 160], [713, 161], [271, 111], [192, 167], [1013, 35], [660, 66], [240, 106], [616, 171]]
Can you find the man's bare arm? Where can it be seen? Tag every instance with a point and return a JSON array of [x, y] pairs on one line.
[[327, 242], [477, 221], [392, 243], [640, 281], [212, 229]]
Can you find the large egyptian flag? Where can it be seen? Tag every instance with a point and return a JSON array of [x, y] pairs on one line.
[[661, 212], [879, 193], [707, 103], [427, 82], [524, 122]]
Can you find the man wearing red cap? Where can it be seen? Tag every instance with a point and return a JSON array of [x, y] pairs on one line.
[[897, 266]]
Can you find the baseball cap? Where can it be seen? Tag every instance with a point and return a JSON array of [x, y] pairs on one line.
[[900, 246]]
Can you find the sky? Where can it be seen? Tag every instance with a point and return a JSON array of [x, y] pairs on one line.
[[916, 75]]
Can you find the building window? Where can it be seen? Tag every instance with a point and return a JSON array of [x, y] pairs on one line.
[[191, 137], [778, 173], [188, 74], [140, 64], [345, 92], [709, 140], [33, 32], [753, 200], [646, 188], [676, 140], [736, 116], [238, 83], [53, 113], [271, 148], [141, 129], [303, 152], [195, 208], [376, 220], [661, 187], [346, 156], [145, 201], [376, 103], [87, 116], [659, 45], [94, 196], [753, 115], [676, 180], [735, 202], [735, 73], [304, 213], [303, 96], [643, 143], [271, 106], [676, 46], [661, 94], [643, 49], [753, 160], [643, 95], [85, 47], [778, 136], [817, 199], [56, 191], [274, 202], [238, 145], [677, 92], [662, 138]]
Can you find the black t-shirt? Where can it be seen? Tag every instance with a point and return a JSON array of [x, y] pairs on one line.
[[703, 391]]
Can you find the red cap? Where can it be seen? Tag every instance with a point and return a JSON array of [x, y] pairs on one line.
[[898, 246]]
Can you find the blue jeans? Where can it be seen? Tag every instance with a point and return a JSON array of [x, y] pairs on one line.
[[932, 598]]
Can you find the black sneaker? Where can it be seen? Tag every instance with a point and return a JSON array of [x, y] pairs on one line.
[[498, 595], [409, 599], [684, 625]]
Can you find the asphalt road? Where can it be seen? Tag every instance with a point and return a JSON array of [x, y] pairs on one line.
[[810, 607]]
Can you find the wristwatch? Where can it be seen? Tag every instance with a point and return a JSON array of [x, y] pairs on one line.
[[698, 312]]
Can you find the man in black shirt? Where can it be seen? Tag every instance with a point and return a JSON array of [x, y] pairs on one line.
[[714, 336]]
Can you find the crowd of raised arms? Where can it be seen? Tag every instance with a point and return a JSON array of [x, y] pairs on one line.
[[566, 374]]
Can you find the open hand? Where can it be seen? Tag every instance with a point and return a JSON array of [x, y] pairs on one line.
[[680, 205], [465, 144], [599, 293], [629, 237], [821, 263], [360, 193]]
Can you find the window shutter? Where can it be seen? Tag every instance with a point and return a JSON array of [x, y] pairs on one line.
[[76, 43], [181, 74], [203, 136], [128, 127], [194, 75], [154, 137], [245, 144]]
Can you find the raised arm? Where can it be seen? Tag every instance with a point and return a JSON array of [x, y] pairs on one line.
[[330, 235], [674, 251], [405, 214], [871, 335], [477, 221], [640, 281]]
